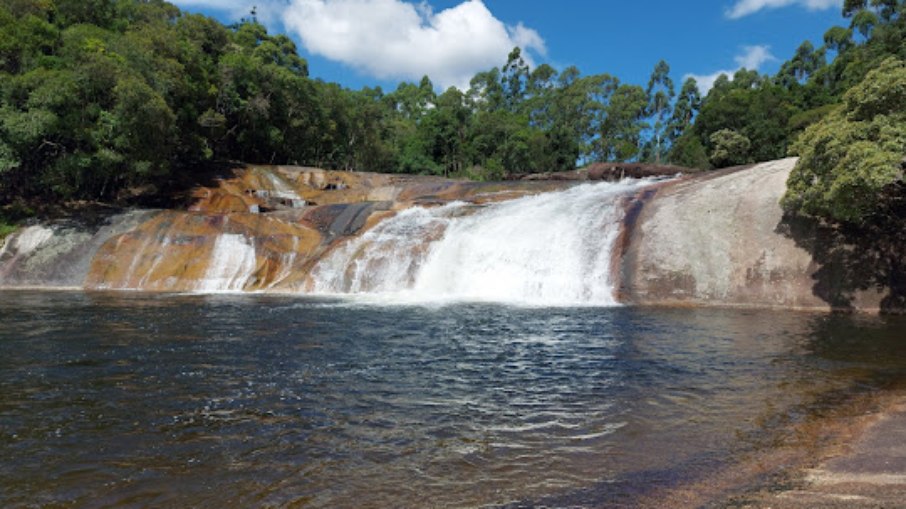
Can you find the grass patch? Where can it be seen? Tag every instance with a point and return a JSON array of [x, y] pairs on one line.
[[6, 229], [12, 216]]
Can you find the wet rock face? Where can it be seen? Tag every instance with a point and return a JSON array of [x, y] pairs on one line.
[[59, 254], [711, 239], [178, 251], [261, 229], [722, 239]]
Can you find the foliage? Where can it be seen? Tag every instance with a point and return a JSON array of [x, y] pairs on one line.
[[772, 111], [623, 123], [851, 157], [102, 97], [660, 94], [730, 148], [688, 151], [6, 229]]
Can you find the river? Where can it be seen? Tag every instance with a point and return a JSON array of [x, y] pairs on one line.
[[141, 400]]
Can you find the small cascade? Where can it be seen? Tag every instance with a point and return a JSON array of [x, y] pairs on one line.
[[386, 257], [17, 249], [287, 265], [186, 252], [59, 254], [282, 191], [548, 249], [27, 240], [231, 265]]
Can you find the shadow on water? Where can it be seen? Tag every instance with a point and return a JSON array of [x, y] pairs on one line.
[[853, 258], [831, 361]]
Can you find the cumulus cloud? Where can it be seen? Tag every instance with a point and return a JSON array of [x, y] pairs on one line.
[[751, 58], [395, 39], [743, 8]]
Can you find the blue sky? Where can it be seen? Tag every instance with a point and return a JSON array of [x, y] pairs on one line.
[[382, 42]]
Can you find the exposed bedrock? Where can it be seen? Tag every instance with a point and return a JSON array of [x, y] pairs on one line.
[[722, 239], [257, 228], [60, 254], [717, 238]]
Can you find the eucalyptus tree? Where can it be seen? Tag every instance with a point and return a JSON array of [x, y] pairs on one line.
[[620, 129], [838, 39], [514, 81], [686, 149], [687, 104], [445, 128], [660, 93]]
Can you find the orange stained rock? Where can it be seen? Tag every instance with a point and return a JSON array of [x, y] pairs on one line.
[[173, 250], [274, 242]]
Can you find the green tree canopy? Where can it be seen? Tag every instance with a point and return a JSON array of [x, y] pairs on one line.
[[660, 93], [848, 160], [730, 148]]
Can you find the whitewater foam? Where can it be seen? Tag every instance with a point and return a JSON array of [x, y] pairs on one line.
[[232, 263], [28, 240], [551, 249]]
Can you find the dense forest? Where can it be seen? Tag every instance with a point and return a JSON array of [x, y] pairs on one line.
[[113, 99]]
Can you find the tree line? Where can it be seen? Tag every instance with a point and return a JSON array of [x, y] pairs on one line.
[[101, 99]]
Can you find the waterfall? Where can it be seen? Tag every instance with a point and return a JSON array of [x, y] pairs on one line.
[[27, 241], [232, 263], [385, 258], [548, 249], [59, 254], [17, 250], [281, 189]]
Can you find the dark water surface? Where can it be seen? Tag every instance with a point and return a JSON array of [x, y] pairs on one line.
[[227, 401]]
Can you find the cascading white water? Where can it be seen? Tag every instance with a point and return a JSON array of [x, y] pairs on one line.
[[232, 263], [384, 259], [282, 190], [549, 249], [27, 240]]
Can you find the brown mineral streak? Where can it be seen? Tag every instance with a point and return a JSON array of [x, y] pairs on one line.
[[292, 216]]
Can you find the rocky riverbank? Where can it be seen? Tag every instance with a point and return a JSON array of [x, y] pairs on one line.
[[257, 228], [850, 457], [722, 239], [717, 238]]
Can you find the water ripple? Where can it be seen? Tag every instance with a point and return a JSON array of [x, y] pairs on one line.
[[228, 400]]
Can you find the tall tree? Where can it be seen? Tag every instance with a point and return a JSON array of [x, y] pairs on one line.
[[687, 105], [621, 128], [514, 80], [660, 93], [445, 128], [838, 39]]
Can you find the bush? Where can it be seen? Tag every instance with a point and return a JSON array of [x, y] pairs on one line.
[[848, 159], [730, 148], [689, 152]]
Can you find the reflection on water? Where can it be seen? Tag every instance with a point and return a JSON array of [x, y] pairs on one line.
[[263, 400]]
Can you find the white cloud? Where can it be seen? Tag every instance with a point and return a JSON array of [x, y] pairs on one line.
[[743, 8], [752, 58], [394, 39]]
